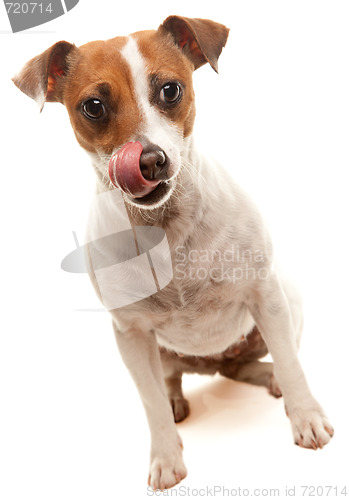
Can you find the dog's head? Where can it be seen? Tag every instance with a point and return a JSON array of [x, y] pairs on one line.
[[130, 99]]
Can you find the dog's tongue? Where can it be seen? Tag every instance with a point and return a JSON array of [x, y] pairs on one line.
[[125, 171]]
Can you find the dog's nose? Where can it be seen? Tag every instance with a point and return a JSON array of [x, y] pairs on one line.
[[153, 163]]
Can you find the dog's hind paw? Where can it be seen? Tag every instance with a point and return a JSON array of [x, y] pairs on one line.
[[180, 408], [311, 428], [273, 387]]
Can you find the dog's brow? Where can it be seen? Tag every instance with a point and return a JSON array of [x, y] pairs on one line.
[[104, 89], [153, 79]]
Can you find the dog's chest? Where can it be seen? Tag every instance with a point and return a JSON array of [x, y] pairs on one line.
[[203, 310], [198, 316]]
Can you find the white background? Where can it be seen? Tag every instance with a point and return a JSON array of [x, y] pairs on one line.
[[71, 423]]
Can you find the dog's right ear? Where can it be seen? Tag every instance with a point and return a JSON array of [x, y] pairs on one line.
[[201, 40], [42, 77]]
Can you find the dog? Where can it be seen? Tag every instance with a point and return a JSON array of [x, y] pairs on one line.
[[131, 105]]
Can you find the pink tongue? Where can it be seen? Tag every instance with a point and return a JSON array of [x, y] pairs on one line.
[[125, 171]]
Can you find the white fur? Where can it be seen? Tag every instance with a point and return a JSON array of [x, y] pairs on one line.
[[153, 126]]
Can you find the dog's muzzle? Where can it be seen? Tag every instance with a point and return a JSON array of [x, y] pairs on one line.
[[137, 170]]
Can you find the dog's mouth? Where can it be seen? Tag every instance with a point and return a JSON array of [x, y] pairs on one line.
[[125, 173]]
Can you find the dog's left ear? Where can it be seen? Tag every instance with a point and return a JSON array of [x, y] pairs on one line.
[[41, 78], [201, 40]]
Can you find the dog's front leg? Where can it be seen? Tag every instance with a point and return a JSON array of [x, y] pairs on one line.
[[140, 353], [270, 308]]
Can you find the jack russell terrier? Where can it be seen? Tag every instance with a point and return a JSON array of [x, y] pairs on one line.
[[131, 105]]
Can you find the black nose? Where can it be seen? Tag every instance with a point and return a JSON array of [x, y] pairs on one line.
[[153, 163]]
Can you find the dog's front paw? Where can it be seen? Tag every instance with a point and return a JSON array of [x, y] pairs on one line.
[[167, 469], [311, 428]]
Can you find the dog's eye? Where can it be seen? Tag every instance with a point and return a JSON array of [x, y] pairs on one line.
[[170, 93], [93, 109]]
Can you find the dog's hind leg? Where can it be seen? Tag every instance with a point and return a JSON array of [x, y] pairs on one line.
[[173, 381], [253, 372], [180, 405], [240, 362]]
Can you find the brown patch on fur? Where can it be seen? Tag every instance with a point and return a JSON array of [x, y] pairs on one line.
[[111, 71], [165, 63]]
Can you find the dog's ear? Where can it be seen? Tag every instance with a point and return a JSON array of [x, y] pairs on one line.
[[201, 40], [42, 77]]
